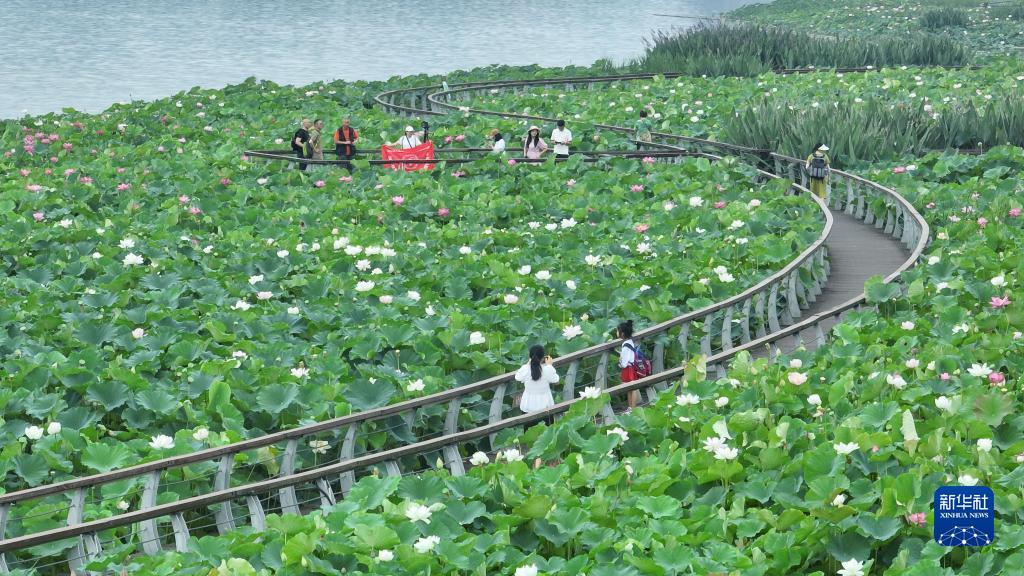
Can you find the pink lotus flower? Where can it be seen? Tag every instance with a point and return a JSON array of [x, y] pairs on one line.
[[68, 146], [944, 376], [195, 211], [899, 170], [875, 449], [245, 157], [33, 187], [120, 170], [184, 199], [320, 184], [641, 228], [24, 172], [998, 302], [398, 200], [719, 205], [919, 519], [77, 125], [996, 378], [38, 216], [982, 222], [443, 212], [648, 160], [29, 149], [447, 139], [458, 174], [54, 159], [69, 171], [511, 161], [225, 181], [85, 180], [123, 186], [636, 188], [345, 179], [44, 141], [378, 187], [48, 171], [1014, 212]]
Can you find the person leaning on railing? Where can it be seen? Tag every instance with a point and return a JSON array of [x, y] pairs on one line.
[[499, 141], [818, 167], [643, 129]]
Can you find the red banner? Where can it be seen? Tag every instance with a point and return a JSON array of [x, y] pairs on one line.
[[422, 152]]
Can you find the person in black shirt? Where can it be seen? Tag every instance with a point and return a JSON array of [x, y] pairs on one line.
[[300, 140]]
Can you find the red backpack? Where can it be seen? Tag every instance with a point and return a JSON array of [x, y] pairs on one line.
[[642, 367]]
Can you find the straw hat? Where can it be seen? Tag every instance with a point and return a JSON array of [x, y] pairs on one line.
[[532, 128], [823, 148], [410, 129]]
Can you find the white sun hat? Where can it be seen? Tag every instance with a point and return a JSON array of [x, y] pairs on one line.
[[409, 129], [823, 148]]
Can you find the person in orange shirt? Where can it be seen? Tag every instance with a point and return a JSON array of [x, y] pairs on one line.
[[345, 143]]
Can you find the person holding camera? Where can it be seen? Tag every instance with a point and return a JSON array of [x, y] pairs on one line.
[[537, 376]]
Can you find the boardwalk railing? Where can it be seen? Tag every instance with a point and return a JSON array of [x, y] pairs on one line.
[[169, 511]]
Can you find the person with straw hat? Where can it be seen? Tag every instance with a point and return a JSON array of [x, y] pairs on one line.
[[411, 139], [817, 167], [535, 146]]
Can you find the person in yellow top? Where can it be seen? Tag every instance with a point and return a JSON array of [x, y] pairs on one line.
[[818, 166]]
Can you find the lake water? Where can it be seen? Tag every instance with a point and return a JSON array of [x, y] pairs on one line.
[[88, 54]]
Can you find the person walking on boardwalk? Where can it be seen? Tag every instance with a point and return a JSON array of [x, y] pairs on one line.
[[632, 362], [535, 146], [818, 166], [300, 142], [345, 143], [499, 141], [537, 376], [643, 129], [316, 143], [562, 138], [410, 139]]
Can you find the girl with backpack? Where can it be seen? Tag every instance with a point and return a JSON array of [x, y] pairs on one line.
[[537, 376], [631, 360], [817, 167]]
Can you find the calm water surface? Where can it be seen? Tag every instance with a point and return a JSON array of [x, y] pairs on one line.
[[88, 54]]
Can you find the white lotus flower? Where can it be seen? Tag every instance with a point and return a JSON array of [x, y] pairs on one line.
[[754, 203], [551, 227], [726, 278], [568, 222], [643, 247], [65, 223], [387, 299], [933, 260], [714, 443], [131, 259], [726, 453], [353, 250], [424, 545], [912, 363], [814, 400], [385, 556], [239, 354], [261, 181], [591, 392], [852, 567], [907, 325], [465, 250], [696, 201], [33, 432], [413, 295], [592, 260], [570, 284], [528, 570], [618, 432], [512, 455], [255, 279], [476, 338], [687, 399], [511, 299], [543, 275], [282, 253], [123, 505], [126, 243], [570, 332], [430, 310], [941, 286], [53, 428], [241, 305], [363, 265], [979, 370], [524, 270], [364, 286], [845, 448], [201, 433], [967, 480], [264, 295], [416, 385], [533, 225], [668, 206], [796, 378], [96, 255], [984, 444], [736, 224], [162, 442], [943, 403], [896, 381], [479, 459], [293, 310], [998, 281], [418, 513], [300, 372], [839, 500], [796, 363], [138, 333]]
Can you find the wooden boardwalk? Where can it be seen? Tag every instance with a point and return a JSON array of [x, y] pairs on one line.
[[857, 251]]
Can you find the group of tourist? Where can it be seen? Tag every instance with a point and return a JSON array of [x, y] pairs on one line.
[[307, 142]]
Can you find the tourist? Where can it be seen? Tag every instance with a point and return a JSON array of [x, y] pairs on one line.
[[411, 139], [316, 145], [499, 141], [818, 166], [535, 146], [300, 141], [643, 129], [537, 376], [345, 143], [627, 358], [562, 138]]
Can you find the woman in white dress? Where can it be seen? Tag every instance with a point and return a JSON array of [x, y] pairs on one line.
[[537, 376]]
